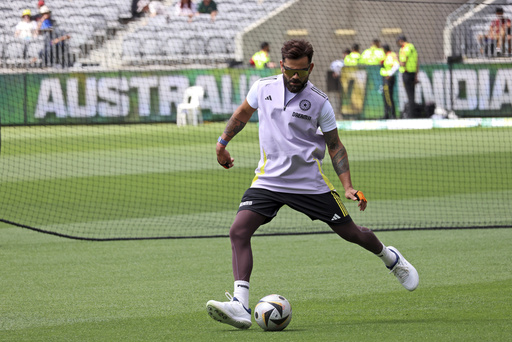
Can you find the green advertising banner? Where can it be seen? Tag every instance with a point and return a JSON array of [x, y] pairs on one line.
[[479, 90], [13, 99], [120, 97]]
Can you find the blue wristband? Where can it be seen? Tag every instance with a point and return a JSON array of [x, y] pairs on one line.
[[222, 142]]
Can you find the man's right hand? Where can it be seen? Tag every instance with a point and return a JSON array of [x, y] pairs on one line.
[[223, 157]]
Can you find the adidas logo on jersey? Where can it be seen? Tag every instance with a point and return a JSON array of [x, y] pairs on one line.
[[269, 98], [335, 217]]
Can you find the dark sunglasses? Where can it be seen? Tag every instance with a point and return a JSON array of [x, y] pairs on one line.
[[302, 73]]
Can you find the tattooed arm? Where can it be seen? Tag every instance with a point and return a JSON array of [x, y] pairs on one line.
[[339, 159], [235, 124]]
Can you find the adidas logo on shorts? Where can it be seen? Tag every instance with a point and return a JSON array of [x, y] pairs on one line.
[[245, 203]]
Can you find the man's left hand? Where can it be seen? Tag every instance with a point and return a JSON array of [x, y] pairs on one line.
[[356, 195]]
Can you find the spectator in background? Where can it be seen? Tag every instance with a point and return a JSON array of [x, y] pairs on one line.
[[38, 16], [26, 29], [390, 66], [338, 64], [186, 8], [55, 49], [261, 59], [352, 59], [134, 9], [499, 33], [46, 21], [154, 8], [208, 7], [374, 55]]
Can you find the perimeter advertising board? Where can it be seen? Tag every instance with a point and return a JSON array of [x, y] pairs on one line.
[[119, 97], [483, 90]]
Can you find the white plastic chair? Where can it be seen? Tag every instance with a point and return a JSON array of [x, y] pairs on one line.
[[189, 111]]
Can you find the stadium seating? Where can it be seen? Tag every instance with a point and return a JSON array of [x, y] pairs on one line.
[[131, 52], [217, 45], [92, 23], [205, 41], [470, 26], [14, 53], [89, 23]]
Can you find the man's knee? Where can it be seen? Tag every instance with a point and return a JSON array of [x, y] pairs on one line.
[[237, 233], [348, 231]]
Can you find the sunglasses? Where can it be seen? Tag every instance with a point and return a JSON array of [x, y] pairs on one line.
[[302, 73]]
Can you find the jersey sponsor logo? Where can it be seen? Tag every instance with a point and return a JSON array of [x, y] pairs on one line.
[[301, 116], [245, 203], [268, 98], [305, 105]]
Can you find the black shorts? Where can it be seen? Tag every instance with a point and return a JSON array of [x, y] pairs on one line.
[[325, 207]]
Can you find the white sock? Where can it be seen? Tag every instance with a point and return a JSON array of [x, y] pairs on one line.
[[241, 292], [388, 257]]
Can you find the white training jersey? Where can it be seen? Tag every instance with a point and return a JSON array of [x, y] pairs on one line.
[[292, 146]]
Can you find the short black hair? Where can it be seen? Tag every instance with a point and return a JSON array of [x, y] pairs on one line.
[[355, 47], [386, 48], [499, 10], [264, 45], [401, 38]]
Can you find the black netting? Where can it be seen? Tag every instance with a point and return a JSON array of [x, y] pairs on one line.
[[110, 115]]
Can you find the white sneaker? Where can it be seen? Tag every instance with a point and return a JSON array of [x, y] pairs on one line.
[[404, 271], [233, 312]]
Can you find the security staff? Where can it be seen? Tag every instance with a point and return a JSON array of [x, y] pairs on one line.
[[352, 59], [374, 55], [261, 59], [409, 66], [390, 66]]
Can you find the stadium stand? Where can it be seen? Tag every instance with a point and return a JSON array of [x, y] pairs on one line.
[[467, 26], [103, 29], [206, 41], [90, 24], [80, 19]]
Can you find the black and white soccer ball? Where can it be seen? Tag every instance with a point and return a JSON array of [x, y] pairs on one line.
[[273, 312]]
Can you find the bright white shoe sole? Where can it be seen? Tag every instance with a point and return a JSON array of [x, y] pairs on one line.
[[216, 311]]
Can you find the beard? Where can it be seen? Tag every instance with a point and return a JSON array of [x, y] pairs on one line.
[[294, 85]]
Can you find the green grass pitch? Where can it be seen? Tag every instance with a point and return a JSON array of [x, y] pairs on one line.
[[146, 180], [109, 181], [56, 289]]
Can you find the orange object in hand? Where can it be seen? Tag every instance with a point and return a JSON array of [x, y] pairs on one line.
[[360, 196]]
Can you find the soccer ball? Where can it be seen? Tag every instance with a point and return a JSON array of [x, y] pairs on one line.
[[273, 312]]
